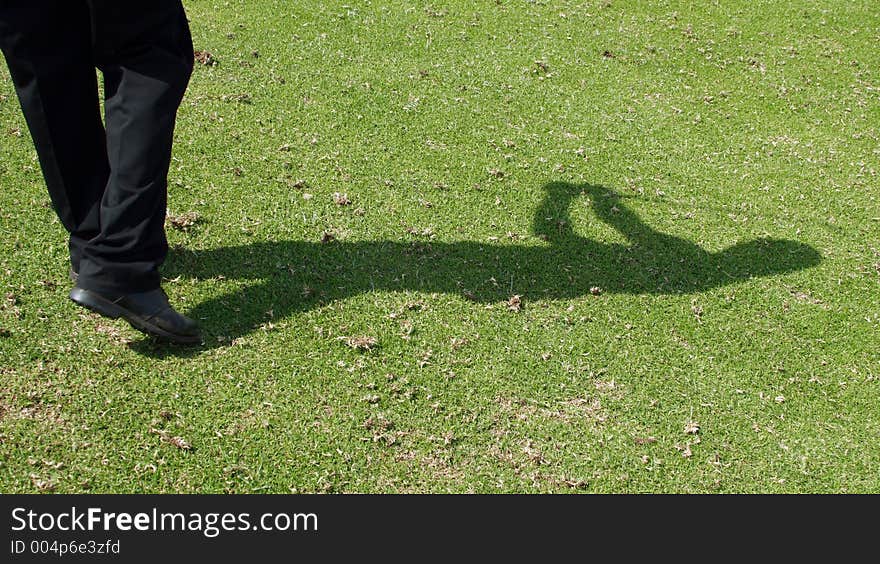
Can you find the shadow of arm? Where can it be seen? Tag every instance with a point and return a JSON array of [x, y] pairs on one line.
[[608, 207], [551, 221]]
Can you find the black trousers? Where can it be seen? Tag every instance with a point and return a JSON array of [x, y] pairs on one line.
[[108, 186]]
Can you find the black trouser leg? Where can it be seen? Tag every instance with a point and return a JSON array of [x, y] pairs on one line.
[[144, 50], [48, 49], [109, 193]]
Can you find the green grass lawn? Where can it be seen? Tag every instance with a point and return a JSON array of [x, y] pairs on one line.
[[512, 246]]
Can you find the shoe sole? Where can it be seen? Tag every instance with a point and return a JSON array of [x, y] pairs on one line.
[[96, 303]]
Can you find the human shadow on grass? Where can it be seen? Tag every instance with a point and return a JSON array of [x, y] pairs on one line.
[[283, 277]]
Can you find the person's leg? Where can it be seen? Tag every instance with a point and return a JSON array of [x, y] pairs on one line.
[[144, 49], [48, 49]]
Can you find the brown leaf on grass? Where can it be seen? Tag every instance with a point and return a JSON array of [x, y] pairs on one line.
[[44, 485], [426, 232], [457, 343], [184, 221], [691, 428], [242, 98], [596, 290], [607, 54], [805, 297], [534, 455], [361, 343], [341, 199], [496, 173], [205, 58], [575, 483], [425, 359], [605, 385], [179, 442], [112, 331], [514, 303], [328, 237], [378, 422], [645, 440]]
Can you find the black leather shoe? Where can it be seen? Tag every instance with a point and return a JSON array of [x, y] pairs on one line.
[[148, 312]]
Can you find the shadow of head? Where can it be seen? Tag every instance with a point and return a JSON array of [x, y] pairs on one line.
[[282, 277], [766, 257]]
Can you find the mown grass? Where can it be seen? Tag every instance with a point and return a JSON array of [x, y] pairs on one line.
[[684, 198]]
